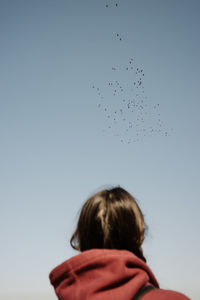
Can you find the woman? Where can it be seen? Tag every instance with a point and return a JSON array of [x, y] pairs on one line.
[[111, 265]]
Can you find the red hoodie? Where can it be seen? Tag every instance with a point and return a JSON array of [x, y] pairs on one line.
[[106, 274]]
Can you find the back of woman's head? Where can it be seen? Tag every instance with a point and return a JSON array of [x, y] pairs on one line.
[[110, 219]]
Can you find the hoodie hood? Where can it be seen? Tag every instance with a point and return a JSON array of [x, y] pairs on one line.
[[101, 274]]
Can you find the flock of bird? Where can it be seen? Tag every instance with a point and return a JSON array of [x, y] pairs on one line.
[[128, 114]]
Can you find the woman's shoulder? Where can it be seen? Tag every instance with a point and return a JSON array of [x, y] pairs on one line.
[[161, 294]]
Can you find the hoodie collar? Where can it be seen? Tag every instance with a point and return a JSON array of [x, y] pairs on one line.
[[101, 274]]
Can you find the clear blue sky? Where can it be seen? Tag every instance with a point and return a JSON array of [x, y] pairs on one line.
[[56, 144]]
